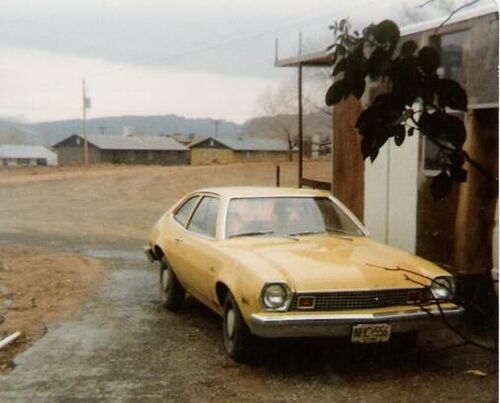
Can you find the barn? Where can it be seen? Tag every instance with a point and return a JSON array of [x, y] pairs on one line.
[[147, 150], [22, 155], [250, 149]]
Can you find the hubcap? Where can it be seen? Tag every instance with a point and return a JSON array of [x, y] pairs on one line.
[[230, 323]]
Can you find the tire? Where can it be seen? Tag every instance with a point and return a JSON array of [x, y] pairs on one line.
[[171, 291], [237, 336]]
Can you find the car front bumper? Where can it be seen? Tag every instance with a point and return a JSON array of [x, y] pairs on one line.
[[340, 325]]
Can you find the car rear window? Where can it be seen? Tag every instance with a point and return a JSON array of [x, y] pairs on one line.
[[183, 212]]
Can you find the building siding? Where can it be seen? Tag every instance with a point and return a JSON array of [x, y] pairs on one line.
[[204, 156]]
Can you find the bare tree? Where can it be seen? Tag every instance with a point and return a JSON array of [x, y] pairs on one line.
[[280, 106], [413, 13]]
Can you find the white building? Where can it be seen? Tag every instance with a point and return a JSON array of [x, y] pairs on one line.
[[19, 155]]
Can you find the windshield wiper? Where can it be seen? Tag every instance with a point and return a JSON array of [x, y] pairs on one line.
[[341, 232], [251, 233], [306, 233]]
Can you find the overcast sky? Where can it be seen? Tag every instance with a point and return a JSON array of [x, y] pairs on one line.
[[198, 58]]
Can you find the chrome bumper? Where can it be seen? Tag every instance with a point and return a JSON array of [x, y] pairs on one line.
[[324, 325]]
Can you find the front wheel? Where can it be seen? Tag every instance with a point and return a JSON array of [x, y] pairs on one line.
[[171, 291], [235, 331]]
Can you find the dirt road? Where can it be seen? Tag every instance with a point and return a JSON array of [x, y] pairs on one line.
[[121, 347]]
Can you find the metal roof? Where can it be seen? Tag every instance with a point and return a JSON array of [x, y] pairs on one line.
[[149, 143], [248, 144], [26, 152], [323, 58]]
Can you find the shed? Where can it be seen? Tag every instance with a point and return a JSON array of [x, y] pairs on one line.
[[392, 195], [17, 155], [148, 150]]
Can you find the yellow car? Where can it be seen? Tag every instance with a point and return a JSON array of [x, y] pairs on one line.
[[277, 262]]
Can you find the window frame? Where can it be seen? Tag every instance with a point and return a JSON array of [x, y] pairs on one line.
[[188, 217], [205, 236]]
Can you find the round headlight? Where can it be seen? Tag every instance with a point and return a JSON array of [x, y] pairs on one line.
[[442, 288], [275, 296]]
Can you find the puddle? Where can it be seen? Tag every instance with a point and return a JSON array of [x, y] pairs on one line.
[[137, 255]]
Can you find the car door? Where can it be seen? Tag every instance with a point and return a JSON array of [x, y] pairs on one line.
[[197, 248], [174, 233]]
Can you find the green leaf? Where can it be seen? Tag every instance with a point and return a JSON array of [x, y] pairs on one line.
[[443, 127], [408, 48], [441, 186], [428, 59], [453, 131], [451, 94], [366, 147], [374, 155], [358, 88], [458, 174], [335, 93], [340, 66], [407, 114], [399, 138], [456, 158], [377, 63], [387, 32]]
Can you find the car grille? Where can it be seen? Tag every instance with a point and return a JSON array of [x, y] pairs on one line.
[[344, 300]]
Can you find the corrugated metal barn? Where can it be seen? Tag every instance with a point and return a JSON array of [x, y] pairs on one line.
[[147, 150], [19, 155]]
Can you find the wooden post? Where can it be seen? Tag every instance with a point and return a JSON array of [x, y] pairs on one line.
[[277, 176], [300, 125]]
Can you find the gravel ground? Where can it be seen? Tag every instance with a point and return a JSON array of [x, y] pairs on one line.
[[122, 347]]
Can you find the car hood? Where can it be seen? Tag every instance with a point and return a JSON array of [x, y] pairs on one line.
[[318, 263]]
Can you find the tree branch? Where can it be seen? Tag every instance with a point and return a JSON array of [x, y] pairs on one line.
[[470, 3]]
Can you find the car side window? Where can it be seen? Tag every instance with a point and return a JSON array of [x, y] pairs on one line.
[[182, 213], [204, 218]]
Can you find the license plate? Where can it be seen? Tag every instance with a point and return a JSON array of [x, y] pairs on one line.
[[373, 333]]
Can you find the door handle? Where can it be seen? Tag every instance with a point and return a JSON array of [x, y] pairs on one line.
[[177, 240]]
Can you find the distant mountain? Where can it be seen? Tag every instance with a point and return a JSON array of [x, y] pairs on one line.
[[48, 133], [315, 124]]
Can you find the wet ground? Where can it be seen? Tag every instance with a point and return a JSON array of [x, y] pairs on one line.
[[122, 347]]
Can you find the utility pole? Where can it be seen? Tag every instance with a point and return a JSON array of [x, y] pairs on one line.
[[300, 122], [217, 123], [84, 128]]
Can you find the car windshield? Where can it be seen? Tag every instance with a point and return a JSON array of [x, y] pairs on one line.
[[287, 216]]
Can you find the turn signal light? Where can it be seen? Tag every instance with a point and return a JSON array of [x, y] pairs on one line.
[[306, 302]]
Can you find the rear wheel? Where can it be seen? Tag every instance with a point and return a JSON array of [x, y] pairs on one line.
[[237, 336], [171, 291]]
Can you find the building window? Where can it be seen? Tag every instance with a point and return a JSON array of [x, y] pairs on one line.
[[453, 48], [23, 161]]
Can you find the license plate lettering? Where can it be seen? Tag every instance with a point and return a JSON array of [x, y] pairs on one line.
[[372, 333]]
